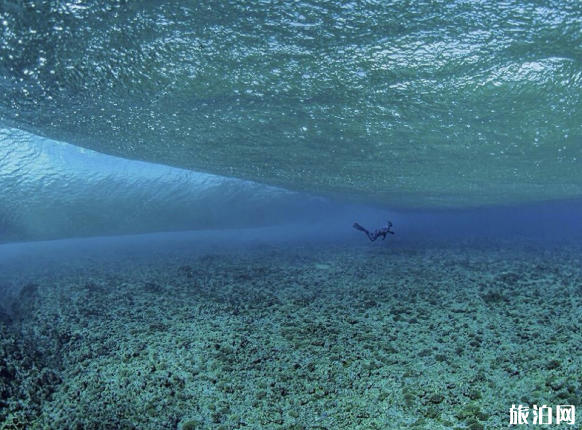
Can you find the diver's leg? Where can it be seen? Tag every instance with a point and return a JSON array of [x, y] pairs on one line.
[[371, 236], [359, 227]]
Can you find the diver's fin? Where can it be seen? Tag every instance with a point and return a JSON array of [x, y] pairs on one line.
[[359, 227]]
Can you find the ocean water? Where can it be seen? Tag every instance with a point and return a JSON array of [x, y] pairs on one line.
[[178, 186]]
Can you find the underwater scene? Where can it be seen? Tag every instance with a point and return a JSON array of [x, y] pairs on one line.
[[290, 215]]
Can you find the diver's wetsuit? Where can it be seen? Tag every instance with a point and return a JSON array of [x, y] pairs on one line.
[[377, 233]]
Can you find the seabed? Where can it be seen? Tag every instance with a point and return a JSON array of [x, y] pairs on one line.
[[334, 335]]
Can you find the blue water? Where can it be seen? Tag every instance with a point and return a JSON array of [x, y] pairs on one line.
[[178, 185], [400, 104]]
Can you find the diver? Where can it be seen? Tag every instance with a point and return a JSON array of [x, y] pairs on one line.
[[377, 233]]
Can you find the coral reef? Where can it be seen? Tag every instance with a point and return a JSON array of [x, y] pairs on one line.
[[26, 380], [294, 337]]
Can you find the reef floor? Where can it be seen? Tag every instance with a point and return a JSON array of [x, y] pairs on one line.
[[291, 336]]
